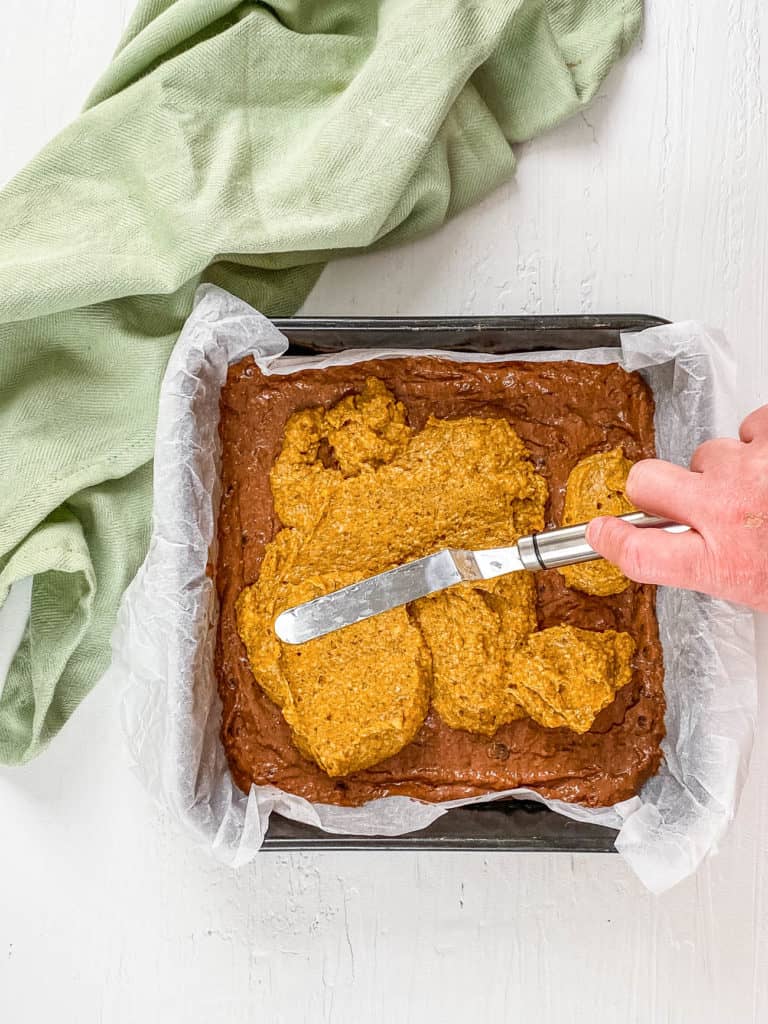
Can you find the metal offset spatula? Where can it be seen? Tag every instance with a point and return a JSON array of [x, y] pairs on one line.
[[409, 582]]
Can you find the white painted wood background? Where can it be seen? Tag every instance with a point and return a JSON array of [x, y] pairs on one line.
[[655, 201]]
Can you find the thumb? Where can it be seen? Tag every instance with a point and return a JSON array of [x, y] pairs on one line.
[[649, 555]]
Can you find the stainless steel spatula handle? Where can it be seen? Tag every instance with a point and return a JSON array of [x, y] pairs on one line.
[[568, 545]]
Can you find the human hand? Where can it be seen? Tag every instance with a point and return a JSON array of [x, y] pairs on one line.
[[723, 497]]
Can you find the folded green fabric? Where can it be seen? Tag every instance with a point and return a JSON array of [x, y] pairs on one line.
[[243, 144]]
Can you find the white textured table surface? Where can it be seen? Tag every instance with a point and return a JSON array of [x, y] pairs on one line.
[[655, 201]]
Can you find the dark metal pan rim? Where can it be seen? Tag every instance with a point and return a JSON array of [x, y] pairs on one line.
[[506, 825]]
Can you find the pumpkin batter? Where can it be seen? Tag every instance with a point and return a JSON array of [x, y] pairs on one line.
[[564, 676], [357, 492], [597, 487], [472, 631]]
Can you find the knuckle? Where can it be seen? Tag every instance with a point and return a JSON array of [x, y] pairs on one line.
[[629, 558], [755, 425], [711, 447], [703, 574], [719, 451]]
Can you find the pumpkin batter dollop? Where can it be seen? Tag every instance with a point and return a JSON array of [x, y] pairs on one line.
[[357, 491], [472, 631], [564, 676], [597, 487]]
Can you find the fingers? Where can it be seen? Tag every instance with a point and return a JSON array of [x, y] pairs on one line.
[[755, 426], [664, 489], [712, 454], [648, 555]]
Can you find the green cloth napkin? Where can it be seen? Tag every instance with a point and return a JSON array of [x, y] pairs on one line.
[[244, 144]]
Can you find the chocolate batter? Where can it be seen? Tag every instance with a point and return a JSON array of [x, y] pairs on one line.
[[563, 412]]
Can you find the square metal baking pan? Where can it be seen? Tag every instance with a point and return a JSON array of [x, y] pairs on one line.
[[503, 824]]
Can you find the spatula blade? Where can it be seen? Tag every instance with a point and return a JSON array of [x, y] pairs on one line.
[[374, 595], [392, 589]]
